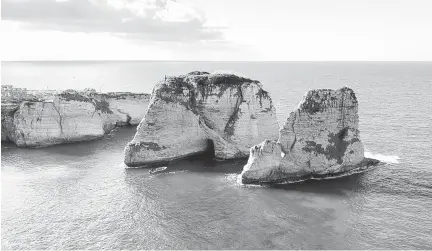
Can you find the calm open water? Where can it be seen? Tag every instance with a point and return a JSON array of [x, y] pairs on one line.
[[80, 196]]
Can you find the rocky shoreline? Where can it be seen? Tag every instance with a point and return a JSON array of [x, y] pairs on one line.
[[70, 117], [287, 178], [223, 115]]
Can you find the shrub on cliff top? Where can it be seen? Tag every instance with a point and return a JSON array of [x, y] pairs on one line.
[[89, 90], [102, 106], [73, 95]]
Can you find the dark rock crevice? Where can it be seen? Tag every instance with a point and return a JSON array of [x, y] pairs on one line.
[[263, 94], [60, 118], [229, 127], [7, 120], [209, 153], [293, 131]]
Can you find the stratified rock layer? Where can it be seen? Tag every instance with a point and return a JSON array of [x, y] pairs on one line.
[[71, 117], [320, 138], [191, 113]]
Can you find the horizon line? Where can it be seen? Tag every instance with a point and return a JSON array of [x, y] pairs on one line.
[[221, 61]]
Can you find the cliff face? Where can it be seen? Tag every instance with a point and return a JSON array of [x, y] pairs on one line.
[[7, 115], [72, 117], [321, 137], [190, 114]]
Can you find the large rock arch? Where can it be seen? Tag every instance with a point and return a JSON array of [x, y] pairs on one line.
[[186, 111]]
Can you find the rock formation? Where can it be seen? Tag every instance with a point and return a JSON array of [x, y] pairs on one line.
[[201, 112], [129, 108], [7, 113], [320, 138], [70, 117]]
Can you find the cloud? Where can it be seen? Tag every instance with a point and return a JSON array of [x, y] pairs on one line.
[[154, 20], [35, 44]]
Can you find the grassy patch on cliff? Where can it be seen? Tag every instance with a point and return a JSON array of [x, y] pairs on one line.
[[318, 100], [147, 145], [125, 95], [74, 96], [261, 94], [100, 105], [207, 84]]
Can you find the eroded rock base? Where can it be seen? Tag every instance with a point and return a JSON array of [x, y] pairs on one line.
[[281, 177]]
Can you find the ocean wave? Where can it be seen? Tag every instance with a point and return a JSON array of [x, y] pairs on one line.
[[390, 159]]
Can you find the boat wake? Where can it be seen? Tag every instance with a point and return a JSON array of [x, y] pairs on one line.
[[157, 170]]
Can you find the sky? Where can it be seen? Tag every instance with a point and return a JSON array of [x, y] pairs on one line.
[[217, 30]]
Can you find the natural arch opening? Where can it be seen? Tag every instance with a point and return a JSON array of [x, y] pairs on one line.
[[209, 153], [207, 156]]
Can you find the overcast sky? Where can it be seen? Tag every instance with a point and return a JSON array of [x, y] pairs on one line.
[[216, 30]]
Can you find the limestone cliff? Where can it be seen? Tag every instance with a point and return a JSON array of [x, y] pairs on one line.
[[7, 114], [320, 138], [71, 117], [191, 113]]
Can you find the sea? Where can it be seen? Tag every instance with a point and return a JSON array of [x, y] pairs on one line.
[[81, 196]]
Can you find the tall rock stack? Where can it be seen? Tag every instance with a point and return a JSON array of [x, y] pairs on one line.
[[192, 113], [321, 137]]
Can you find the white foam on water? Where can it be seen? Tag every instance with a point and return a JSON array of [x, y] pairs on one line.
[[173, 172], [234, 179], [390, 159], [238, 182]]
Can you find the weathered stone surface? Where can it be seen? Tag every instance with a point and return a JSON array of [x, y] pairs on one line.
[[71, 117], [7, 114], [187, 114], [321, 137]]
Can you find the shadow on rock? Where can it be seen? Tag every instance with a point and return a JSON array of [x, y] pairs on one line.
[[197, 163], [338, 185]]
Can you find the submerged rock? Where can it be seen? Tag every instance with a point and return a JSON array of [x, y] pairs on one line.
[[71, 117], [199, 112], [320, 138]]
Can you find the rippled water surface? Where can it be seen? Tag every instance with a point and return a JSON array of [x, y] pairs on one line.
[[80, 196]]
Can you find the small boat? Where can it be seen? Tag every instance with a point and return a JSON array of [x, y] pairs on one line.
[[156, 170]]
